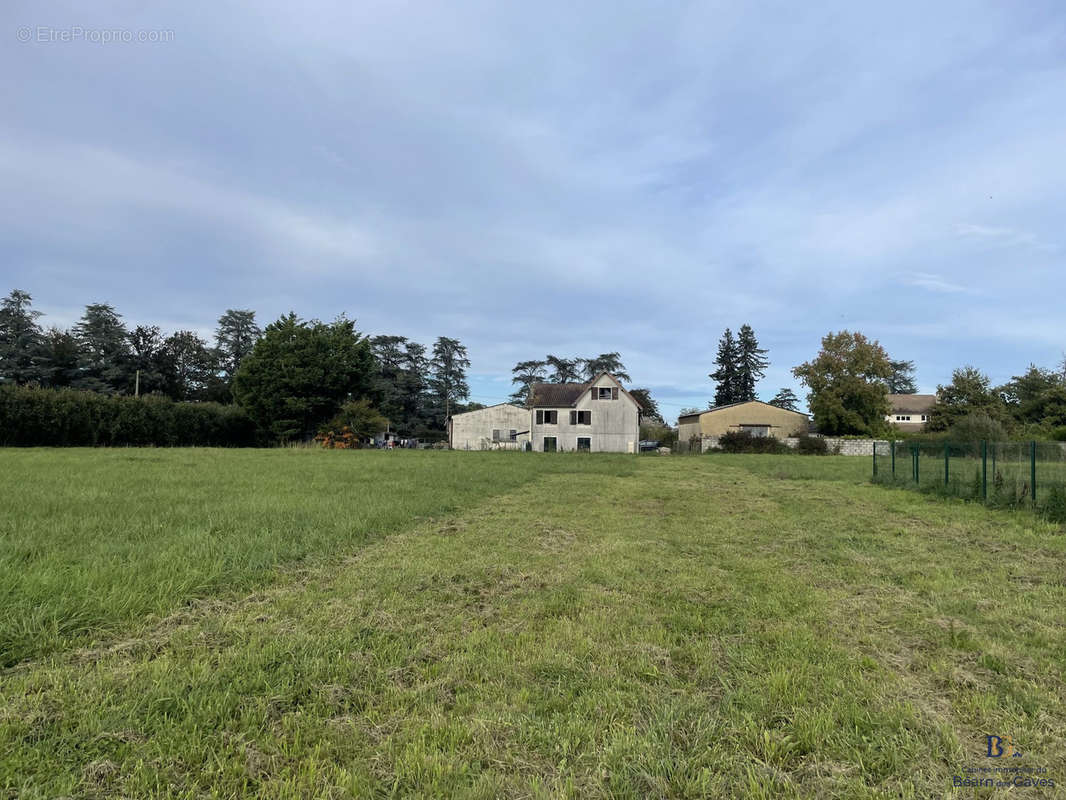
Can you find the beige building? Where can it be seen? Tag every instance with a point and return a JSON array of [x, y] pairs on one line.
[[754, 416], [910, 412], [500, 427]]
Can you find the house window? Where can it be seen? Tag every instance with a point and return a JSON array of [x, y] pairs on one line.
[[584, 443], [495, 434], [547, 417], [924, 418], [549, 444], [605, 392], [513, 434], [761, 431], [580, 417]]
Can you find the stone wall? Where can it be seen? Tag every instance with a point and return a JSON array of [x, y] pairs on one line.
[[853, 447], [845, 447]]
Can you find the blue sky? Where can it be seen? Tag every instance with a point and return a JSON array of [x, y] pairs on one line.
[[531, 179]]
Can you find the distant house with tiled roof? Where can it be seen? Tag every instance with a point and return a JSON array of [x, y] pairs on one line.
[[910, 412], [598, 415]]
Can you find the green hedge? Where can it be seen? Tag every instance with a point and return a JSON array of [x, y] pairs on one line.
[[31, 417], [744, 442]]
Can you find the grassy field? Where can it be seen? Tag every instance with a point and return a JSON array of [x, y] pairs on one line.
[[309, 624]]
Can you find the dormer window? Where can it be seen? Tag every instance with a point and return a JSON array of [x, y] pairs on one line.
[[606, 393]]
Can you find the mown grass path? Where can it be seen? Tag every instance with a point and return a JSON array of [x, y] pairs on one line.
[[92, 539], [684, 627]]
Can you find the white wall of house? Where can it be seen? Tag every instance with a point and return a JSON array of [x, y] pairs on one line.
[[614, 424], [474, 430]]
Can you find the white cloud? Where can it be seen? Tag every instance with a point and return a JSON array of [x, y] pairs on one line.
[[1002, 236], [536, 179], [935, 283]]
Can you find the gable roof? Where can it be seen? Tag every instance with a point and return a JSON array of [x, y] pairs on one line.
[[699, 414], [914, 403], [554, 395], [486, 408]]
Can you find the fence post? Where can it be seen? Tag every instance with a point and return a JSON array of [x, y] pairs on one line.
[[984, 469], [945, 464], [917, 476], [893, 446], [875, 458], [1032, 471]]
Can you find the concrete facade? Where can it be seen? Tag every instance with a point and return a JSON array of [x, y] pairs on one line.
[[761, 419], [613, 424], [489, 428]]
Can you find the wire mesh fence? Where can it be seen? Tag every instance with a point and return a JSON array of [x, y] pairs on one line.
[[1001, 474]]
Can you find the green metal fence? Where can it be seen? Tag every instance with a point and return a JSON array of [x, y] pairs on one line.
[[1005, 474]]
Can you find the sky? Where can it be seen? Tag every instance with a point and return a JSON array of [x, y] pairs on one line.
[[547, 177]]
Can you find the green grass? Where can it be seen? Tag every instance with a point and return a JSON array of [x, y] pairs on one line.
[[533, 626], [91, 539]]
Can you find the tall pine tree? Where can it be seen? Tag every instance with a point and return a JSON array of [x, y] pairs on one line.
[[563, 370], [20, 339], [751, 364], [525, 374], [103, 350], [786, 398], [902, 380], [447, 382], [727, 367], [235, 337], [606, 362]]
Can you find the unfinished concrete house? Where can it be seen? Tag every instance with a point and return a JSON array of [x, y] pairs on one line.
[[599, 416]]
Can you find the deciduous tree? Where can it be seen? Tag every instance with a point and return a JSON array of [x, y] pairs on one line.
[[59, 358], [190, 366], [969, 391], [148, 357], [847, 382]]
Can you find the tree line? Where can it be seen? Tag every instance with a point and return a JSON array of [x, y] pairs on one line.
[[291, 378], [100, 354], [741, 363], [851, 377], [557, 369]]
